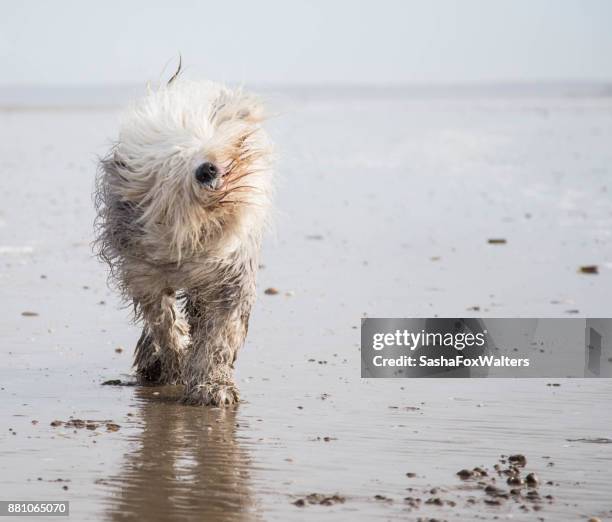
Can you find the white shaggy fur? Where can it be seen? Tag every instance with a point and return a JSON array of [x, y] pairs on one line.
[[186, 253]]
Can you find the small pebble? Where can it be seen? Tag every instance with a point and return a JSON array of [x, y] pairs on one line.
[[532, 480], [518, 460]]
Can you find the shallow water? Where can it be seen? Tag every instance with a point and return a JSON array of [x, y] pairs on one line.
[[372, 190]]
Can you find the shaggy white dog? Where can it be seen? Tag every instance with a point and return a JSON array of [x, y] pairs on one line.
[[182, 199]]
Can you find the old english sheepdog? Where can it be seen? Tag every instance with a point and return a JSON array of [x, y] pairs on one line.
[[182, 199]]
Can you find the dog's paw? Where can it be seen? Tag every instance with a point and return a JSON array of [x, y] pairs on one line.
[[212, 394], [170, 374], [159, 371], [150, 374]]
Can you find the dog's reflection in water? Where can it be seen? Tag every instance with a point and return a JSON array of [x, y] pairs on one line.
[[185, 464]]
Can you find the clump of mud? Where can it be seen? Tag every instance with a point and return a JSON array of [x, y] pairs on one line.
[[79, 424], [119, 382], [315, 499], [518, 485], [507, 481]]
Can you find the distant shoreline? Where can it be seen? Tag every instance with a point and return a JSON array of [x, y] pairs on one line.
[[108, 97]]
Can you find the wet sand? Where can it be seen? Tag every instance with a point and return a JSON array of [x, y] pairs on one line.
[[385, 208]]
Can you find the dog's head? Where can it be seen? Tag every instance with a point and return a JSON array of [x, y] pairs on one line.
[[192, 163]]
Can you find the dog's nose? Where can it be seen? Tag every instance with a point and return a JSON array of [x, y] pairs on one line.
[[206, 173]]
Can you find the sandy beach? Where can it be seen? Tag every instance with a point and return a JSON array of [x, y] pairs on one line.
[[386, 202]]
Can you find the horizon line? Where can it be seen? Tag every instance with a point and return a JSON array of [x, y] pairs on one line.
[[334, 84]]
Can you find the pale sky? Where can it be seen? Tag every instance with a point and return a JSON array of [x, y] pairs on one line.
[[62, 42]]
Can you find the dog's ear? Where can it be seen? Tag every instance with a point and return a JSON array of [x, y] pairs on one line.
[[236, 106]]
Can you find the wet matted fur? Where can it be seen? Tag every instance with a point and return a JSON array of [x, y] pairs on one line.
[[184, 252]]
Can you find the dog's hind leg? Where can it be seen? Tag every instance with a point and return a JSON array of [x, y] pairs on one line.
[[160, 350]]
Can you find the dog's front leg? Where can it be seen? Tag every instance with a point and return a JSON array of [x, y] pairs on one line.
[[165, 336], [218, 330]]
